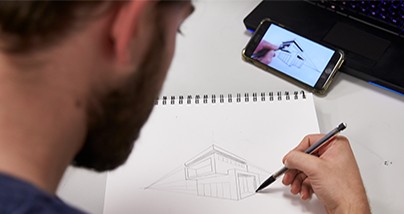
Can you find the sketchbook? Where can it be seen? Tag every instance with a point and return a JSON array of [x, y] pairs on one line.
[[209, 153]]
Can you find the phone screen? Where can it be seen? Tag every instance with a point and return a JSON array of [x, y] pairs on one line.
[[292, 54]]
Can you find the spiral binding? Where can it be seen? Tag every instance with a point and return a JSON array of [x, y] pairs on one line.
[[239, 97]]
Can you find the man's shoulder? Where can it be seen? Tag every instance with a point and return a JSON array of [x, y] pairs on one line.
[[17, 196]]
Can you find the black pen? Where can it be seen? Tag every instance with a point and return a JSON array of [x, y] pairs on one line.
[[264, 51], [260, 53], [313, 148]]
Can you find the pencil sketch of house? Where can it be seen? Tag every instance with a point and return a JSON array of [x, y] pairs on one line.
[[214, 173], [291, 53], [221, 174]]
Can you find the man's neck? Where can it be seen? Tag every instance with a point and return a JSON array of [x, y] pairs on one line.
[[41, 129], [44, 98]]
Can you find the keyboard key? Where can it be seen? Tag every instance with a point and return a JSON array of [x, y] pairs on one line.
[[387, 14]]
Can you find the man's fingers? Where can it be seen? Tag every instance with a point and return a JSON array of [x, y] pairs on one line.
[[289, 176], [297, 183], [307, 190], [302, 162]]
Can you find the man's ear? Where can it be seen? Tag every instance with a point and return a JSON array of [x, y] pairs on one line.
[[126, 26]]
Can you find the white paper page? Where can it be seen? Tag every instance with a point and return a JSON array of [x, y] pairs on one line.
[[210, 158]]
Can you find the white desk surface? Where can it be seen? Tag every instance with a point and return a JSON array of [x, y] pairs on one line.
[[208, 61]]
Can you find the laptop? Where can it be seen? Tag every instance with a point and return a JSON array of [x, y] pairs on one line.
[[371, 33]]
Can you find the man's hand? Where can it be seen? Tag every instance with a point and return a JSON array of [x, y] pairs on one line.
[[331, 173], [268, 51]]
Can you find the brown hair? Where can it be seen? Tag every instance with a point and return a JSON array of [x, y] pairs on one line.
[[27, 25]]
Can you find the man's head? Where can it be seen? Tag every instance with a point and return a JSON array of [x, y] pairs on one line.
[[131, 44]]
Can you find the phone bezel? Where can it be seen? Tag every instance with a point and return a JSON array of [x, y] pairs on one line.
[[326, 76]]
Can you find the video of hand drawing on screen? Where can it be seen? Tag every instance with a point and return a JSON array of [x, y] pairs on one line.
[[292, 54]]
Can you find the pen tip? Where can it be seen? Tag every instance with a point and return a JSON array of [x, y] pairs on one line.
[[266, 183]]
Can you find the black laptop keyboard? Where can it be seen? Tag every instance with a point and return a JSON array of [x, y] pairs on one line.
[[387, 15]]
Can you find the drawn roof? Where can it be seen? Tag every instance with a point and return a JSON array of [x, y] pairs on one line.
[[288, 43], [215, 150]]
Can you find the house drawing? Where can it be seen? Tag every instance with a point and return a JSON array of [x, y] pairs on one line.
[[213, 173], [291, 53], [220, 174]]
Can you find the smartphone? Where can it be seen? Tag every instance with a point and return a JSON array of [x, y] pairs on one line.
[[279, 50]]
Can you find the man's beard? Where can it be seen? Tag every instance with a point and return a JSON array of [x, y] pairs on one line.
[[115, 123]]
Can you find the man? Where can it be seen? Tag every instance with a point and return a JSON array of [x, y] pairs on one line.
[[78, 81]]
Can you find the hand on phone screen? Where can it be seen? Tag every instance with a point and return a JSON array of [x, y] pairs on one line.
[[264, 52]]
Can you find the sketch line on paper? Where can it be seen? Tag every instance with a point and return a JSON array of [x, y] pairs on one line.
[[214, 173], [161, 179]]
